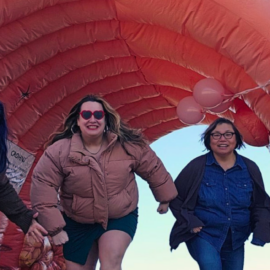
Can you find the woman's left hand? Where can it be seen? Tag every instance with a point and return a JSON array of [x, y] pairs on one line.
[[163, 208], [196, 230]]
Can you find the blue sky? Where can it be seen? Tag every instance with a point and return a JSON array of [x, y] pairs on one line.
[[150, 247]]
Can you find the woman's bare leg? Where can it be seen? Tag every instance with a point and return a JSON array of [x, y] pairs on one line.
[[112, 246]]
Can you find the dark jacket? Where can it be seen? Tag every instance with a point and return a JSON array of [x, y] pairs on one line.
[[12, 206], [188, 183]]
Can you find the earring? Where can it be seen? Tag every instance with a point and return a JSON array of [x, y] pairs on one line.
[[71, 129]]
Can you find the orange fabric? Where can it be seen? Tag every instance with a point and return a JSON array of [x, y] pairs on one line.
[[36, 256]]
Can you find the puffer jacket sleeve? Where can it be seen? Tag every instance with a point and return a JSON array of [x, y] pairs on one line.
[[151, 169], [46, 179]]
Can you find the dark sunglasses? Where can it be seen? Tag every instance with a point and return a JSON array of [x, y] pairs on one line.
[[88, 114]]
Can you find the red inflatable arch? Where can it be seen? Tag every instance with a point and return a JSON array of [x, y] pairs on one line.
[[143, 56]]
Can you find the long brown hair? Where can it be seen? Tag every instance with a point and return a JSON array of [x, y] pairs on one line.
[[113, 123]]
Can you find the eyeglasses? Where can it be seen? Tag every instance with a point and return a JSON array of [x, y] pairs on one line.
[[88, 114], [226, 135]]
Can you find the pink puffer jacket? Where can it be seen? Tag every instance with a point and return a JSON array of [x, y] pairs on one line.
[[94, 191]]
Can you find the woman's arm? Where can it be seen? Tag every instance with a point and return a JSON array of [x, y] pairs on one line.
[[151, 169], [12, 205], [260, 207], [187, 184], [46, 179], [16, 211]]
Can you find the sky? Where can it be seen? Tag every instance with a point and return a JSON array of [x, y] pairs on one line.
[[150, 249]]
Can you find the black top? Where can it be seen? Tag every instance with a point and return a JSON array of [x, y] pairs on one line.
[[12, 206]]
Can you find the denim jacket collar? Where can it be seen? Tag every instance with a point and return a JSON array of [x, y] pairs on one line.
[[210, 159]]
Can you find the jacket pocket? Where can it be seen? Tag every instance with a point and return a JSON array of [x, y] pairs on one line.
[[83, 207], [119, 204], [244, 191], [208, 193]]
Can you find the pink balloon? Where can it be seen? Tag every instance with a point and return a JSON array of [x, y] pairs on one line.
[[189, 111], [223, 107], [208, 93]]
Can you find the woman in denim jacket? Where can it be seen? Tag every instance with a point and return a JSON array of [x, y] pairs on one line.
[[221, 200]]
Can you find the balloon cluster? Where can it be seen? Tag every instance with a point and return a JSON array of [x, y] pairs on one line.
[[208, 95]]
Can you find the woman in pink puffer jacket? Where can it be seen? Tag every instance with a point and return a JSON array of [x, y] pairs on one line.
[[93, 162]]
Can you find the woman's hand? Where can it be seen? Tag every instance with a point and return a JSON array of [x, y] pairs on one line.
[[60, 238], [163, 208], [196, 230], [36, 230]]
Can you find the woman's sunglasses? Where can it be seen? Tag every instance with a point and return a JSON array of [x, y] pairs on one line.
[[88, 114]]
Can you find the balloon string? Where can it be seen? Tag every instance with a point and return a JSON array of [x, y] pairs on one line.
[[232, 97], [203, 110]]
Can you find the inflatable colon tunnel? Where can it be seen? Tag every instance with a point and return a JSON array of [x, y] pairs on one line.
[[145, 57]]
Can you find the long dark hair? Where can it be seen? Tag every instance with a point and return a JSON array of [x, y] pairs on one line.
[[113, 123], [205, 138], [3, 139]]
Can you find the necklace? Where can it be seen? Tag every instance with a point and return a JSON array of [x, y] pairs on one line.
[[98, 149]]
